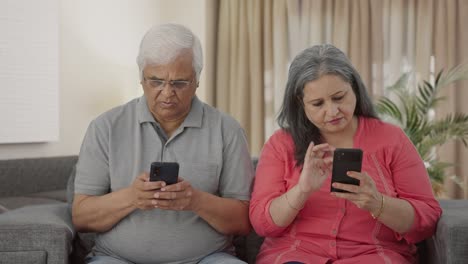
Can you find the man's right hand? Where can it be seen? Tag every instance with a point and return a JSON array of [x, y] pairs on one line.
[[101, 213], [143, 190]]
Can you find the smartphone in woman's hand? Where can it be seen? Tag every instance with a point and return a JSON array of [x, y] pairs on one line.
[[344, 160]]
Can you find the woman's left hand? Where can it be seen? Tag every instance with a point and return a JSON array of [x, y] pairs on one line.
[[365, 196]]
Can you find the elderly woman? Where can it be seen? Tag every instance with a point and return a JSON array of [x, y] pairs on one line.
[[325, 107]]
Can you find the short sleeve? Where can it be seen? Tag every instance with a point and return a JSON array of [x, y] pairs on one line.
[[237, 170], [92, 169]]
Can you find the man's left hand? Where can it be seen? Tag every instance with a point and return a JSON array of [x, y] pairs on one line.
[[179, 196]]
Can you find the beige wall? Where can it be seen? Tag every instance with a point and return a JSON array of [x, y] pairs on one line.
[[98, 44]]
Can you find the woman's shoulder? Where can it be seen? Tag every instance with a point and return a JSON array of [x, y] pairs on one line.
[[379, 136], [380, 129], [281, 136], [281, 139]]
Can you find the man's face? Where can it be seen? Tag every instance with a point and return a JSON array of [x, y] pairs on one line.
[[167, 102]]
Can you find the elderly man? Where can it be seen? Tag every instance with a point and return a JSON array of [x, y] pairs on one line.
[[143, 221]]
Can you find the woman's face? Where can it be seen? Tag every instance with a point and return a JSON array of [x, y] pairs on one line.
[[329, 103]]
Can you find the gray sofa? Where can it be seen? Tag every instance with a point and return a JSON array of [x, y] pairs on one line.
[[35, 222]]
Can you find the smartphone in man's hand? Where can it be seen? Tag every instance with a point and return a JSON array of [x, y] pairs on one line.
[[164, 171], [344, 160]]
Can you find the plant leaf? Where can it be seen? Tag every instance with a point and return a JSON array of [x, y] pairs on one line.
[[410, 110]]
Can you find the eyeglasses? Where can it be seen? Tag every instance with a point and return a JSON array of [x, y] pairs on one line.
[[159, 84]]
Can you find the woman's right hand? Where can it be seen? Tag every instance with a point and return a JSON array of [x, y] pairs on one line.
[[317, 166]]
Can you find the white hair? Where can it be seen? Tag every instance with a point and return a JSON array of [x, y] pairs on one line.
[[163, 43]]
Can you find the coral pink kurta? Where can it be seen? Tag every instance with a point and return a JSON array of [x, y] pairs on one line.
[[333, 230]]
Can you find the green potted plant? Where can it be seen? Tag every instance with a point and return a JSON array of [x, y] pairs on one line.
[[412, 108]]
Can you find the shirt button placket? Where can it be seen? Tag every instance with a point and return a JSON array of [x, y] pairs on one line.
[[165, 150], [332, 248], [334, 231]]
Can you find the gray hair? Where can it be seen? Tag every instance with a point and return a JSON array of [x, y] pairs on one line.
[[309, 65], [163, 43]]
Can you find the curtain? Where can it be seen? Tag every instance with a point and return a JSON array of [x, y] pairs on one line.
[[257, 39], [352, 26], [449, 41], [251, 64]]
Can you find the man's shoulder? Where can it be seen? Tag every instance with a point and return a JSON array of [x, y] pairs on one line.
[[121, 112], [212, 114]]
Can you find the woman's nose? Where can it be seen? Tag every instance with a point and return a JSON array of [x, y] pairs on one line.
[[332, 109]]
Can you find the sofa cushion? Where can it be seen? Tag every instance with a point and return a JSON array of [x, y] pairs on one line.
[[23, 257], [38, 228], [253, 242], [247, 247], [59, 195], [449, 243], [71, 186], [14, 202]]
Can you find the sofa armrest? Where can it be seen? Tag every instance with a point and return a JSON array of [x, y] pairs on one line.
[[449, 243], [43, 231]]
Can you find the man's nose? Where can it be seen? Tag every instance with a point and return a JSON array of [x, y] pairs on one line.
[[167, 89]]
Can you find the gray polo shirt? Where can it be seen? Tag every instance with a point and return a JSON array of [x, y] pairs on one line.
[[120, 144]]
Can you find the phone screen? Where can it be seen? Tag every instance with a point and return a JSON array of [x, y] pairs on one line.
[[344, 160], [164, 171]]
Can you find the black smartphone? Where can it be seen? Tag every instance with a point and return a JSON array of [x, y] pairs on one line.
[[344, 160], [164, 171]]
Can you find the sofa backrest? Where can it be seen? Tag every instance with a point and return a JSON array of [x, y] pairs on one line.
[[24, 176]]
